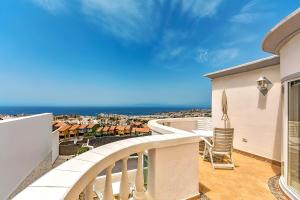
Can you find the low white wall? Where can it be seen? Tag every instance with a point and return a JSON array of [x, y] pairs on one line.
[[256, 119], [55, 145], [24, 143], [178, 165]]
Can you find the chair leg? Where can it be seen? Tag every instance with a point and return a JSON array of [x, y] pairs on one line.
[[211, 158], [231, 160], [204, 152]]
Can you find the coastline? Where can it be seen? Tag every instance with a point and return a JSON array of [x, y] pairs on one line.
[[95, 110]]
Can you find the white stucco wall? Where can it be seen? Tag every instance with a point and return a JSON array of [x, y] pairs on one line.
[[290, 70], [255, 118], [290, 57], [55, 145], [178, 165], [24, 143]]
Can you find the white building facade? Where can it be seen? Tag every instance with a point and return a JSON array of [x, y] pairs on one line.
[[267, 124]]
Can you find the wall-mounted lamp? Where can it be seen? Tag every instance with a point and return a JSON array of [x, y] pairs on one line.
[[264, 85]]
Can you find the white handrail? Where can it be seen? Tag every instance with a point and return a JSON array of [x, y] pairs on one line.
[[68, 180]]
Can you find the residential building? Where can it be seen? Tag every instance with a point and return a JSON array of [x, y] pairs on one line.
[[91, 128], [127, 130], [105, 130], [64, 131], [120, 130], [82, 129], [142, 131], [99, 130], [137, 124], [263, 102], [133, 131], [73, 131], [112, 130]]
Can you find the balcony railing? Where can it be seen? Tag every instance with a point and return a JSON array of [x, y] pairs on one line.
[[172, 169], [179, 125]]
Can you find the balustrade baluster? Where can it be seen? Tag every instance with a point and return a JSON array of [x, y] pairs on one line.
[[139, 194], [108, 190], [124, 187], [89, 191]]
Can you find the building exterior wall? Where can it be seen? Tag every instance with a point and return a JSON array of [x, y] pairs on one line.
[[55, 145], [289, 57], [256, 119], [25, 143], [290, 70]]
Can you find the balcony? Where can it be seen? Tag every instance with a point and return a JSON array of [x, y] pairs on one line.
[[175, 170]]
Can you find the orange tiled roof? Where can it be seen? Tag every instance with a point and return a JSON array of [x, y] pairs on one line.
[[91, 125], [99, 129], [59, 124], [112, 128], [74, 127], [127, 128], [83, 126], [142, 130], [64, 128], [120, 128], [137, 123], [105, 129]]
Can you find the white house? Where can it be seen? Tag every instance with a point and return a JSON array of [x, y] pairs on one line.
[[264, 102]]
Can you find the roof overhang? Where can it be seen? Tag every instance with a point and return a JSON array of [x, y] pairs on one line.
[[257, 64], [282, 33]]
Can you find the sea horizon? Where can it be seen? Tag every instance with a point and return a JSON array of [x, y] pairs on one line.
[[93, 110]]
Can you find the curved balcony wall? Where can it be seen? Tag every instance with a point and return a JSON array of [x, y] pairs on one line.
[[171, 174]]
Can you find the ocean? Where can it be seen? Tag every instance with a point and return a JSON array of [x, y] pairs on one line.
[[91, 111]]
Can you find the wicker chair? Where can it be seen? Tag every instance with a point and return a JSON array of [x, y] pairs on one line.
[[221, 145]]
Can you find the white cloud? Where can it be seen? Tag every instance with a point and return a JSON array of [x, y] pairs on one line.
[[222, 56], [217, 57], [248, 7], [245, 18], [250, 13], [201, 8], [51, 5], [202, 55], [126, 19], [136, 20], [133, 20], [243, 39]]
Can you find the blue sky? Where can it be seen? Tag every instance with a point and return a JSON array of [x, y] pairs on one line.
[[126, 52]]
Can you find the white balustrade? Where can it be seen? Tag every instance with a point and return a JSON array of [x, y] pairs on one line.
[[79, 174]]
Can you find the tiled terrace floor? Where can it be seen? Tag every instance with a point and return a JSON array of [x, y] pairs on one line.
[[249, 180]]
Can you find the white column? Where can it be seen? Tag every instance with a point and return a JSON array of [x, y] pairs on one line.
[[108, 191], [89, 193], [139, 179], [124, 187]]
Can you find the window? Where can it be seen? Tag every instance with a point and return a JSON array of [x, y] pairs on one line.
[[294, 135]]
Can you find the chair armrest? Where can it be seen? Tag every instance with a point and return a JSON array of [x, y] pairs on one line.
[[206, 141]]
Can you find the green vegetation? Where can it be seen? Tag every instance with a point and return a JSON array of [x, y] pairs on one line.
[[82, 150], [89, 135]]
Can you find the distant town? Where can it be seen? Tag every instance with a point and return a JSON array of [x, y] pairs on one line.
[[72, 127]]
